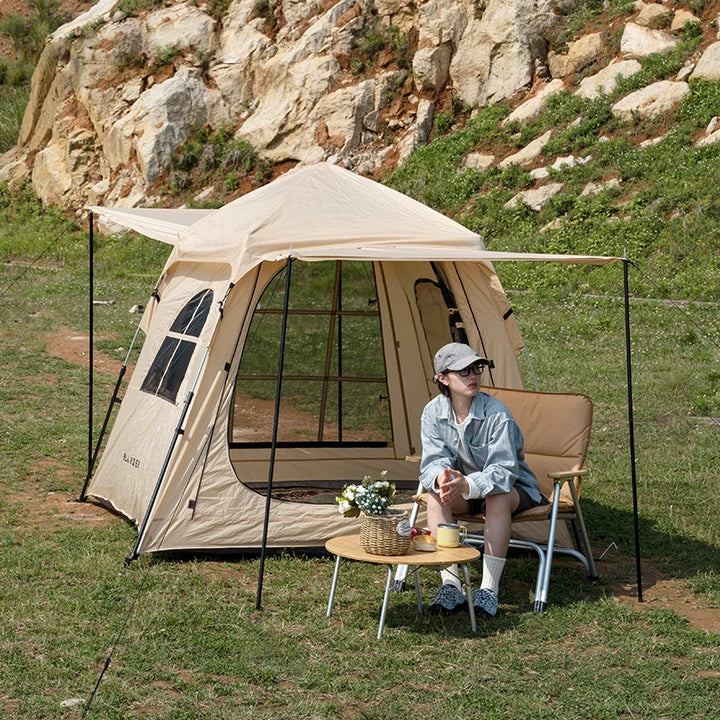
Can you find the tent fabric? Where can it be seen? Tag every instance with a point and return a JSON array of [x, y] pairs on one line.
[[161, 224], [178, 451]]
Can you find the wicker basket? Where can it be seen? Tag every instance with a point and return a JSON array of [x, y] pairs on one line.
[[379, 536]]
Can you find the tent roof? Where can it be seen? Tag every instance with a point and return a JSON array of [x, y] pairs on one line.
[[318, 212]]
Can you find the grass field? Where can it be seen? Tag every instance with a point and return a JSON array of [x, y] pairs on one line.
[[182, 635]]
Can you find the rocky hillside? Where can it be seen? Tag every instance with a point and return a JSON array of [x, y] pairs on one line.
[[138, 102]]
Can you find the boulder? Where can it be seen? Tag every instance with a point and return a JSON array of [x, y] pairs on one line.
[[528, 154], [179, 27], [529, 110], [651, 13], [708, 66], [496, 52], [581, 53], [431, 67], [535, 198], [639, 41], [440, 22], [681, 18], [478, 161], [604, 81], [158, 123], [652, 101]]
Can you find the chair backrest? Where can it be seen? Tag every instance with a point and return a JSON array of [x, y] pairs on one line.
[[556, 428]]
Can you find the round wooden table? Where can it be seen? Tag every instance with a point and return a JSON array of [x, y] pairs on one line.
[[348, 547]]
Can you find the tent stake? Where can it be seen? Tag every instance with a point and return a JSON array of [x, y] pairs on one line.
[[273, 446], [631, 429]]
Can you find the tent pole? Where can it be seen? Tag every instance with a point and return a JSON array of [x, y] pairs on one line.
[[114, 399], [91, 332], [179, 430], [631, 429], [271, 468]]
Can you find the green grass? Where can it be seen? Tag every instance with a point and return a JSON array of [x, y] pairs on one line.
[[190, 643]]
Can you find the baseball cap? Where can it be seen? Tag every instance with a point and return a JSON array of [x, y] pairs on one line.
[[456, 356]]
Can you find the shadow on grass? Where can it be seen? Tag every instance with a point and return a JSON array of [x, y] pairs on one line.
[[360, 585]]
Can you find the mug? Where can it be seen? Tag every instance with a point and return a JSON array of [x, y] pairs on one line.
[[450, 535]]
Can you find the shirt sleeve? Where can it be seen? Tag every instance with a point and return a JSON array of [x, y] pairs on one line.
[[501, 467], [436, 454]]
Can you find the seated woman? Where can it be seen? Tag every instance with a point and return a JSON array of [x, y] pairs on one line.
[[473, 464]]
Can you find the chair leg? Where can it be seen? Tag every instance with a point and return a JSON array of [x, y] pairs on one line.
[[585, 540], [541, 598]]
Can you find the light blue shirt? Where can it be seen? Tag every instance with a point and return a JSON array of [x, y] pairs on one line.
[[493, 442]]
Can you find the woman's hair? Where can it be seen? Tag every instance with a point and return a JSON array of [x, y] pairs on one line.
[[443, 388]]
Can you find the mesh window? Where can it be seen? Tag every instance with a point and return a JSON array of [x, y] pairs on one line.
[[170, 365], [334, 387]]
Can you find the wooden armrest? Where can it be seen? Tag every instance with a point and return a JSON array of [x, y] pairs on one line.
[[568, 474]]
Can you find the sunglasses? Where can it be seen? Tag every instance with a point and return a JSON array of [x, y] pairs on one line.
[[476, 369]]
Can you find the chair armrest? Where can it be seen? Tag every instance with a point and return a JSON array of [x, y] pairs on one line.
[[568, 474]]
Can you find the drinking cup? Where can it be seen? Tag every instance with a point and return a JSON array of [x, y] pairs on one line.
[[450, 535]]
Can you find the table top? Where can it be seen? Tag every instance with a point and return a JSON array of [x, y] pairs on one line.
[[348, 546]]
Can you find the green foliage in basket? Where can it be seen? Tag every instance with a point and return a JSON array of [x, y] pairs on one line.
[[371, 496]]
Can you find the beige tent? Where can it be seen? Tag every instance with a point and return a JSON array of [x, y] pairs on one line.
[[381, 280]]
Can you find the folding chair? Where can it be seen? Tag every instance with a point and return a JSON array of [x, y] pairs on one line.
[[556, 428]]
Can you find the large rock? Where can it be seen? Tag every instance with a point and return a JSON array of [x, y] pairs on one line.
[[179, 27], [159, 122], [529, 110], [708, 67], [431, 67], [651, 13], [495, 55], [604, 81], [652, 101], [581, 53], [535, 198], [639, 41], [529, 153]]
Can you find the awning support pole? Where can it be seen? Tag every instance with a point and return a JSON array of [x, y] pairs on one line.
[[276, 420], [91, 334], [631, 429], [108, 413]]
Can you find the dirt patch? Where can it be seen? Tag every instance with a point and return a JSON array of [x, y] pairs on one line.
[[75, 348]]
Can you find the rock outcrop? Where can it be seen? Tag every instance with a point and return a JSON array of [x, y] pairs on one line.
[[358, 82]]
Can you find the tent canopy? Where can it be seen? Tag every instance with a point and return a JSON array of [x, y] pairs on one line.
[[320, 212]]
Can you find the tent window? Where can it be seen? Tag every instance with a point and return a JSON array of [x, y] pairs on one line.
[[170, 365], [334, 388], [191, 318]]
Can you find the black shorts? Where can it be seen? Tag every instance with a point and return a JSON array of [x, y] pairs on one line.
[[477, 506]]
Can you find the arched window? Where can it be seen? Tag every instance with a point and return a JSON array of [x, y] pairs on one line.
[[171, 363]]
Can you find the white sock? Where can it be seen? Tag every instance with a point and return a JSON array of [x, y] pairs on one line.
[[450, 575], [492, 570]]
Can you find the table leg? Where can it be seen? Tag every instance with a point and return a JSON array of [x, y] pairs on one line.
[[469, 596], [333, 586], [383, 611]]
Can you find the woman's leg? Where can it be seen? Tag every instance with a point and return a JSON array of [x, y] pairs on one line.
[[498, 521], [438, 512]]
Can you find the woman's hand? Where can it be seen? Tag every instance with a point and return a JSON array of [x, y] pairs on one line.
[[452, 484]]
